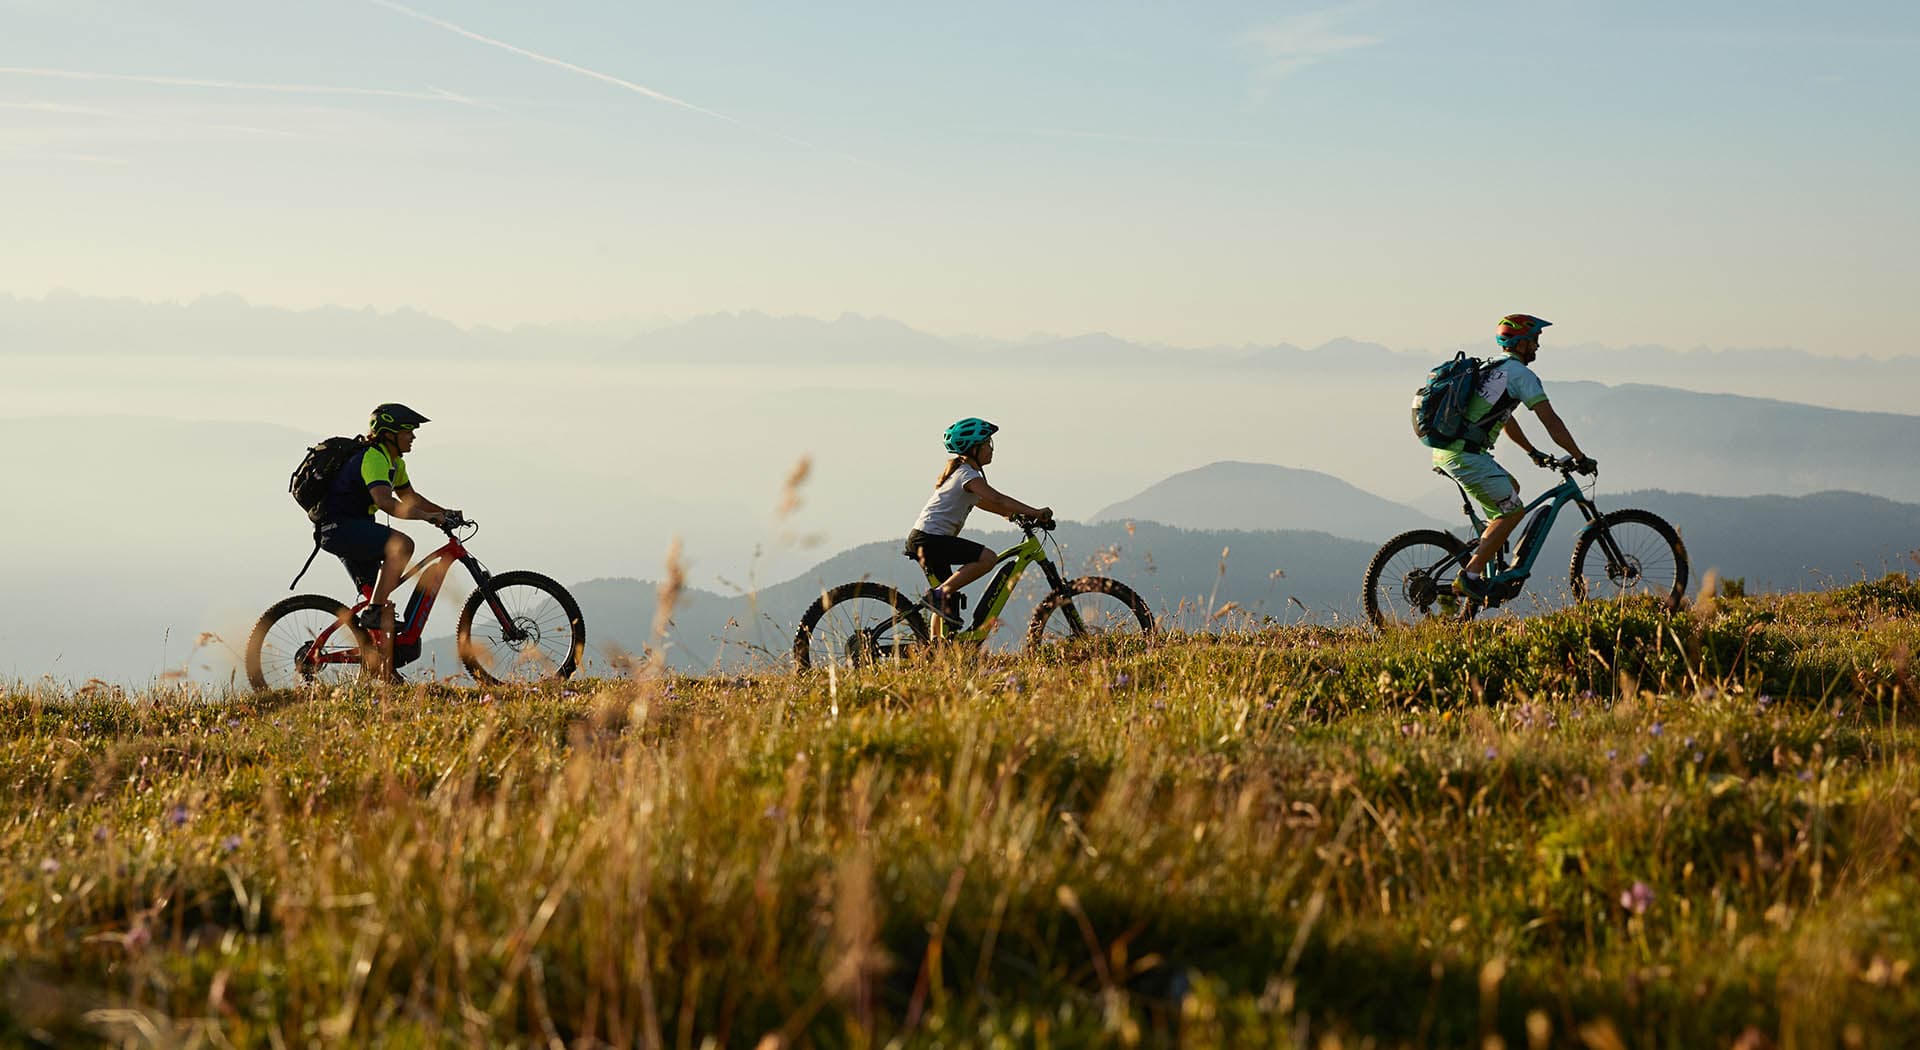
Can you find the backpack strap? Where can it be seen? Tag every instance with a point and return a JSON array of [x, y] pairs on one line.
[[317, 530], [308, 565]]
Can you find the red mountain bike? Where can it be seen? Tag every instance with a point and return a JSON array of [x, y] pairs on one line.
[[516, 627]]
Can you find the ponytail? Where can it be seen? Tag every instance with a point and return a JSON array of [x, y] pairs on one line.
[[953, 465]]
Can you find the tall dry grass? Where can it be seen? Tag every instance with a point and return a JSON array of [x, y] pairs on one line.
[[1602, 827]]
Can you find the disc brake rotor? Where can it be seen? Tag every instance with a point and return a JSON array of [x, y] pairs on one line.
[[525, 634], [1626, 573]]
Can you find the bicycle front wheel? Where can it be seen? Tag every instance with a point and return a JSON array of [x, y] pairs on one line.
[[1410, 580], [1090, 606], [308, 639], [1627, 553], [540, 638], [858, 625]]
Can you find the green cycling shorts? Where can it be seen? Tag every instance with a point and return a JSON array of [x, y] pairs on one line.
[[1486, 481]]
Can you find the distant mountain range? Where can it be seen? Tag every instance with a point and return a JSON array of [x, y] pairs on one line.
[[228, 325], [1727, 445]]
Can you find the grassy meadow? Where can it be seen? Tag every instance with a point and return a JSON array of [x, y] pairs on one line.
[[1604, 827]]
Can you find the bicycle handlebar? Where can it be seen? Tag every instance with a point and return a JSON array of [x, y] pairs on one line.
[[1028, 524], [1568, 465]]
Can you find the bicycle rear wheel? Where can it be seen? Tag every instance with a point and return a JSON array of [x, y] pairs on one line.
[[1627, 553], [1410, 580], [858, 625], [308, 639], [541, 640], [1091, 606]]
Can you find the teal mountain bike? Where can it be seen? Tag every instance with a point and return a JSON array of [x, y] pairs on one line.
[[1620, 553], [863, 623]]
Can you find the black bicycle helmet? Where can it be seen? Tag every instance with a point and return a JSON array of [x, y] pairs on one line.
[[392, 417]]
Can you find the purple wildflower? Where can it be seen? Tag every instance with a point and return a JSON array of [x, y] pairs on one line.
[[1637, 898], [1657, 729], [177, 816]]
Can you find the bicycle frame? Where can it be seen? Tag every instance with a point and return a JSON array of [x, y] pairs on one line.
[[1013, 562], [429, 573], [1533, 534]]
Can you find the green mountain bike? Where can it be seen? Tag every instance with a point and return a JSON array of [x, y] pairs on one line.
[[1623, 552], [863, 623]]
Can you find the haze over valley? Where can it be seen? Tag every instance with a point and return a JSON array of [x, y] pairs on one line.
[[585, 452]]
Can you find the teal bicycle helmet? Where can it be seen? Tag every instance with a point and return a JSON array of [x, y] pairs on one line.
[[961, 437]]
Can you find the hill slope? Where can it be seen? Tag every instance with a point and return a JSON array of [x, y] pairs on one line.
[[1773, 543], [1264, 496]]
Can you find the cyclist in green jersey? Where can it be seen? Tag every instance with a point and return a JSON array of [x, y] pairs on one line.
[[375, 479], [1503, 387]]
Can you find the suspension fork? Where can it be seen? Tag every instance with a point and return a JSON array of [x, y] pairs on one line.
[[1595, 520], [483, 582], [1058, 585]]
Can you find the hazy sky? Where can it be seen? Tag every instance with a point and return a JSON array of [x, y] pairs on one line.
[[1713, 173]]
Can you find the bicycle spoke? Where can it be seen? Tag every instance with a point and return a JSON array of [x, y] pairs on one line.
[[1090, 615], [1092, 607], [858, 632], [1634, 553], [1411, 579], [531, 643], [304, 645]]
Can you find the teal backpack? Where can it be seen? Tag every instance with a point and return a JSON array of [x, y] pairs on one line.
[[1440, 407]]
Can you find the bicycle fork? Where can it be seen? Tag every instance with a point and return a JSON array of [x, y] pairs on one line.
[[1058, 585], [483, 581]]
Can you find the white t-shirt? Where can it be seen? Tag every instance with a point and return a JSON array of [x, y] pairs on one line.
[[1507, 385], [951, 503]]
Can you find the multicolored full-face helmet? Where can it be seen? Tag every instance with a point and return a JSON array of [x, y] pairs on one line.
[[963, 437], [392, 418], [1515, 329]]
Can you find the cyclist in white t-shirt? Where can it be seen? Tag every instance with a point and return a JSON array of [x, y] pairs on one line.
[[1504, 387], [935, 539]]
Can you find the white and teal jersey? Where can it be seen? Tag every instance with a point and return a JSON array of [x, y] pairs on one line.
[[1505, 386]]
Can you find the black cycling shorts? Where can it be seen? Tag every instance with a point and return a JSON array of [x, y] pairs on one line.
[[360, 543], [939, 554]]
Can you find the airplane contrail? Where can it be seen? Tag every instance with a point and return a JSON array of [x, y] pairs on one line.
[[593, 74], [558, 63], [436, 95]]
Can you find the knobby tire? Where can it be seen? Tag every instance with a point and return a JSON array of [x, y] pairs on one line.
[[903, 610], [557, 635]]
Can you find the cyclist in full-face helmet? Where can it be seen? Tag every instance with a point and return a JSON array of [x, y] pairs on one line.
[[375, 479], [935, 540]]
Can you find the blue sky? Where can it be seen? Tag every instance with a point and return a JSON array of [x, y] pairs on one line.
[[1715, 173]]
